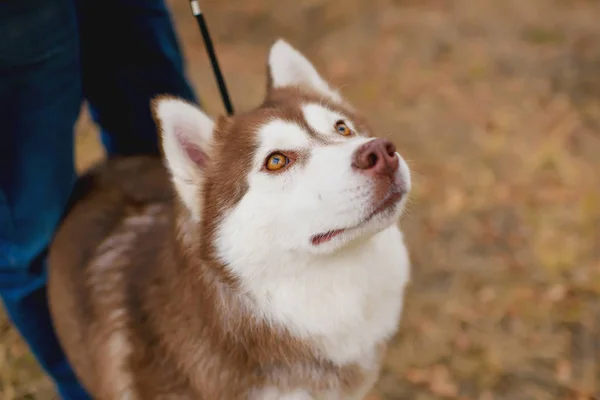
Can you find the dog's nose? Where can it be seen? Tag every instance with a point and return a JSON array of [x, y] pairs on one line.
[[376, 157]]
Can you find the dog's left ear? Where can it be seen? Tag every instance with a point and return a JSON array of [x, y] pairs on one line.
[[288, 67]]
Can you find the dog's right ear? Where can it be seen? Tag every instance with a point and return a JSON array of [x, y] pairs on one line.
[[186, 134]]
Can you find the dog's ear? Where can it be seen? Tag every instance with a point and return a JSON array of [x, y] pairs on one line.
[[186, 136], [288, 67]]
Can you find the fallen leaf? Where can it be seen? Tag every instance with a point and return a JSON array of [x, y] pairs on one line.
[[462, 341], [487, 294], [556, 293], [417, 376], [455, 200], [564, 371], [502, 192], [486, 396], [441, 383]]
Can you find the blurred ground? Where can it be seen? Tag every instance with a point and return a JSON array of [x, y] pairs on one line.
[[497, 106]]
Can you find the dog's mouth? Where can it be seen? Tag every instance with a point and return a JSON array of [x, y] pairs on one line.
[[386, 204]]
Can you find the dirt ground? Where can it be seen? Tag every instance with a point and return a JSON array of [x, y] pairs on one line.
[[496, 104]]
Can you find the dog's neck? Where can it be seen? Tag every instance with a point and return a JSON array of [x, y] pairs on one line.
[[202, 313], [340, 305]]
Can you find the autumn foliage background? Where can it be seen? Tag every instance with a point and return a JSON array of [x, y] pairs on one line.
[[496, 105]]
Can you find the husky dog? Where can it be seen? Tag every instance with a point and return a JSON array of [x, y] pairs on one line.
[[260, 258]]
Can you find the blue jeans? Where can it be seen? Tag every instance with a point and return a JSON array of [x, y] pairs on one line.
[[116, 54]]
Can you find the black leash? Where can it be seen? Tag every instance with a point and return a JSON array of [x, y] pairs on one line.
[[211, 54]]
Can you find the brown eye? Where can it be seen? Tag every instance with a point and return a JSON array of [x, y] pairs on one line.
[[342, 128], [276, 161]]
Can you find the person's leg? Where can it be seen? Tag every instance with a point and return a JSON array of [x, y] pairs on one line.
[[130, 54], [40, 98]]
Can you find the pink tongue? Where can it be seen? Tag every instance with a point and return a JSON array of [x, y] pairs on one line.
[[325, 237]]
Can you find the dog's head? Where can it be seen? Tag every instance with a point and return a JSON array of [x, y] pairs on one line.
[[301, 175]]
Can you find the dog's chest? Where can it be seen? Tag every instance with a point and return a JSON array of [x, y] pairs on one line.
[[346, 307]]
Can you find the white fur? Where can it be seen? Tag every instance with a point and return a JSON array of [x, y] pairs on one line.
[[117, 375], [347, 302], [183, 123], [322, 120], [290, 68]]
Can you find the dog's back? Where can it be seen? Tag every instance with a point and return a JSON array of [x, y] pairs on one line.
[[121, 211]]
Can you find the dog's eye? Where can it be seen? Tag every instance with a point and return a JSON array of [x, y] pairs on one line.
[[342, 128], [276, 161]]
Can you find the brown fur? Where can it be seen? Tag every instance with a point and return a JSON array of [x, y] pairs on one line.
[[140, 302]]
